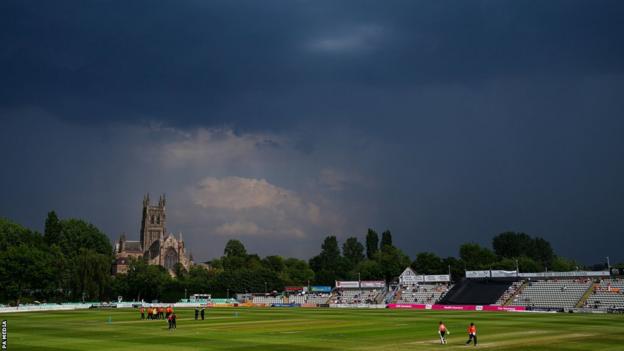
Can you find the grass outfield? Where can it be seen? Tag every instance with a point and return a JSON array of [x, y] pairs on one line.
[[299, 329]]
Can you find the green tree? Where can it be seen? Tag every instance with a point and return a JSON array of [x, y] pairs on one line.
[[386, 240], [296, 272], [146, 282], [53, 228], [88, 255], [370, 270], [25, 271], [529, 265], [234, 248], [91, 275], [353, 251], [512, 245], [476, 257], [543, 253], [253, 261], [329, 265], [508, 264], [372, 244], [274, 263], [429, 263], [392, 262], [562, 264], [235, 255], [13, 234]]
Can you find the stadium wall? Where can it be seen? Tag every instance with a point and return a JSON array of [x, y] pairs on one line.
[[459, 307]]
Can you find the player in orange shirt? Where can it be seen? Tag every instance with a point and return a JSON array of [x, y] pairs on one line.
[[442, 331], [472, 334]]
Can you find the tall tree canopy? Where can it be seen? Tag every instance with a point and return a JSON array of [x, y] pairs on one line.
[[53, 228], [386, 239], [515, 245], [234, 248], [429, 263], [329, 264], [353, 251], [476, 256], [372, 243]]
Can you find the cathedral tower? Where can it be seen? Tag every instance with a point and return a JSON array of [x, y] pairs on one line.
[[153, 222]]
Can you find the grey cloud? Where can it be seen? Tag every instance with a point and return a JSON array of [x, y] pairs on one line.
[[436, 119]]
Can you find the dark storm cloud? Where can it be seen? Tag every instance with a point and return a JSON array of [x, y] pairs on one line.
[[438, 119], [254, 63]]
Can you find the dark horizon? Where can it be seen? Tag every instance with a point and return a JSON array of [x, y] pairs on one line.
[[281, 123]]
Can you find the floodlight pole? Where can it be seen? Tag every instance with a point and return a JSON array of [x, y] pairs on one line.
[[608, 265]]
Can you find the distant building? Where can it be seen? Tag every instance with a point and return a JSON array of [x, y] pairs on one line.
[[156, 247]]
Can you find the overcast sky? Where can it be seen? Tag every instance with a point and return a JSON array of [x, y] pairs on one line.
[[281, 122]]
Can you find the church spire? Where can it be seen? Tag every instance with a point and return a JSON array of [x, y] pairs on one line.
[[146, 200]]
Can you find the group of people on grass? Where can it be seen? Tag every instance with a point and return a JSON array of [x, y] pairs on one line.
[[156, 312], [160, 313], [472, 333]]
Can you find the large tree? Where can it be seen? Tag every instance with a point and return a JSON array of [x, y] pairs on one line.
[[392, 262], [353, 251], [386, 240], [297, 272], [235, 255], [429, 263], [234, 248], [514, 245], [25, 270], [476, 256], [543, 253], [53, 228], [329, 265], [274, 263], [146, 282], [372, 243], [369, 270]]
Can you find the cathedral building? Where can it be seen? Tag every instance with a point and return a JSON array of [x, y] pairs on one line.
[[155, 246]]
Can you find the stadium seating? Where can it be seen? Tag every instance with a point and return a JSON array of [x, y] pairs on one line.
[[476, 292], [552, 293], [300, 299], [356, 296], [268, 299], [609, 293], [513, 290], [421, 293], [317, 298]]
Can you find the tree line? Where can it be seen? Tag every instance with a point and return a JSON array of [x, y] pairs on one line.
[[72, 259]]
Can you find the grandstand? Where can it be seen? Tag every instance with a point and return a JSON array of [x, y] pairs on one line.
[[551, 290], [608, 294], [313, 298], [476, 292], [557, 293], [317, 298], [421, 293], [268, 299], [511, 292], [357, 296], [300, 299]]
